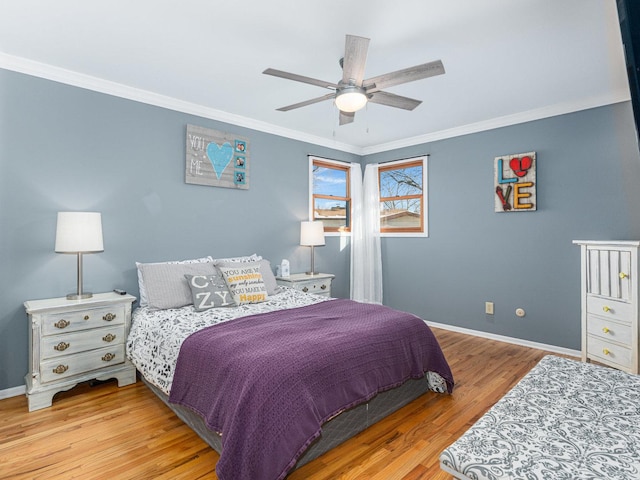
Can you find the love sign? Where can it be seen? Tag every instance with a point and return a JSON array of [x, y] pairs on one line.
[[515, 183], [216, 158]]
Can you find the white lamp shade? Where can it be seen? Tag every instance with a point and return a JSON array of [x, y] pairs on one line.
[[311, 234], [79, 232]]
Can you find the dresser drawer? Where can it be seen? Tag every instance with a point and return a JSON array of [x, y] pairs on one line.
[[608, 352], [608, 308], [69, 365], [55, 323], [68, 343], [609, 330]]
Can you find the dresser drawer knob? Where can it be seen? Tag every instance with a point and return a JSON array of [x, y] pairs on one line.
[[323, 287], [61, 369], [61, 347], [109, 316], [109, 337], [62, 323], [305, 289], [108, 357], [623, 275], [606, 309], [605, 329], [605, 351]]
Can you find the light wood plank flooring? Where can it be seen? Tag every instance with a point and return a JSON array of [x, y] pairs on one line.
[[103, 431]]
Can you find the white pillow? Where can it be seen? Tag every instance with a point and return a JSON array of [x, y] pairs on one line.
[[244, 281]]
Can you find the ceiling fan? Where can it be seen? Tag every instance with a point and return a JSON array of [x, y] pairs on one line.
[[353, 92]]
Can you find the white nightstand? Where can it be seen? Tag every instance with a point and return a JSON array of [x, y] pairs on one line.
[[319, 284], [71, 341]]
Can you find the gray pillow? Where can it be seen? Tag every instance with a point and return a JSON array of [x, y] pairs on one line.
[[209, 291], [142, 288], [165, 283]]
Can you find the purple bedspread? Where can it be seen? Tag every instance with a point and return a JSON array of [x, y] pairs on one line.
[[267, 382]]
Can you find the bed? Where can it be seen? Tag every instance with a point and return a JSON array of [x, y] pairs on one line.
[[564, 420], [273, 384]]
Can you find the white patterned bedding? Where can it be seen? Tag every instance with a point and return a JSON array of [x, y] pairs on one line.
[[156, 335], [564, 420]]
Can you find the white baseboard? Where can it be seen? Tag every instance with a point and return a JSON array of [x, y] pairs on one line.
[[13, 392], [502, 338]]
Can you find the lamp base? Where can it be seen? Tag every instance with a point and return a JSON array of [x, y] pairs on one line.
[[311, 273], [81, 296]]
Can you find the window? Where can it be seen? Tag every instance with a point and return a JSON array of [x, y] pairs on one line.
[[330, 194], [402, 205]]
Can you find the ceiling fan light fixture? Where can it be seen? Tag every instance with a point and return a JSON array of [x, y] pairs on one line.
[[351, 99]]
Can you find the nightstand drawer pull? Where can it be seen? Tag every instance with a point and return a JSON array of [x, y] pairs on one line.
[[606, 309], [605, 351], [108, 357], [305, 289], [323, 287], [62, 323], [109, 338], [623, 275], [86, 317], [605, 329], [60, 369], [61, 347], [109, 316]]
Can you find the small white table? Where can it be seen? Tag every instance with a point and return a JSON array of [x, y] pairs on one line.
[[71, 341], [318, 284]]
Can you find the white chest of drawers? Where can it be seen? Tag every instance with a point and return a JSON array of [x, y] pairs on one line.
[[609, 292], [319, 284], [71, 341]]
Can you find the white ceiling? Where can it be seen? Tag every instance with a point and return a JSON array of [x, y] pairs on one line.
[[506, 60]]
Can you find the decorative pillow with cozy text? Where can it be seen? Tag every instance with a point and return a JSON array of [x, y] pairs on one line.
[[245, 282], [209, 291]]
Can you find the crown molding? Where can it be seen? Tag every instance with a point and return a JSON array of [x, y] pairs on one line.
[[505, 121], [69, 77]]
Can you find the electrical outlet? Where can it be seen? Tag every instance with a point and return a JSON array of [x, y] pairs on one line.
[[488, 308]]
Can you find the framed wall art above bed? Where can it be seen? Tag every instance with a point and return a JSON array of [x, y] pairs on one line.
[[217, 159]]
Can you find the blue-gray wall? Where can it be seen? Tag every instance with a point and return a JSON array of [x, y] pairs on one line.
[[66, 148], [588, 188]]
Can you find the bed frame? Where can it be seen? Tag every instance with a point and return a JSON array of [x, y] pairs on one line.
[[334, 432]]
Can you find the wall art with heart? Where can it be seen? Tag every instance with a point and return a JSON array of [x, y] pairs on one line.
[[217, 159], [514, 184]]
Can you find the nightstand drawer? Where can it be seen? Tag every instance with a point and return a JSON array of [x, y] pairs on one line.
[[65, 344], [610, 308], [609, 330], [608, 352], [83, 319], [318, 284], [313, 286], [69, 365]]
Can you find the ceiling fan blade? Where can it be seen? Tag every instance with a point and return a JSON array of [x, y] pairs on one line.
[[328, 96], [347, 117], [300, 78], [355, 59], [405, 75], [393, 100]]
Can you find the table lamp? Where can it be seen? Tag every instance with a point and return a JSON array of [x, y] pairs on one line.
[[312, 235]]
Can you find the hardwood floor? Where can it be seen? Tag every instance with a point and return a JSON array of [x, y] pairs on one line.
[[103, 431]]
